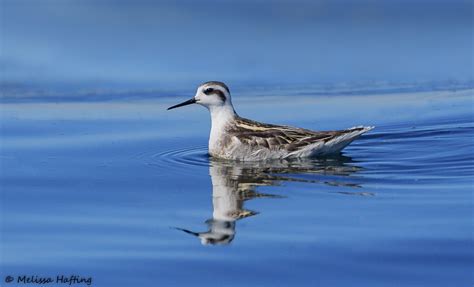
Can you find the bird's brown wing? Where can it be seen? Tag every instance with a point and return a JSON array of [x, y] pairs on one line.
[[278, 137]]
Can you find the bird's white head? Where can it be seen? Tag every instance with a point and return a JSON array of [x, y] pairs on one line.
[[212, 95]]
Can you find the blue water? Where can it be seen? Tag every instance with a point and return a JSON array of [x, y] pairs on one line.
[[123, 191]]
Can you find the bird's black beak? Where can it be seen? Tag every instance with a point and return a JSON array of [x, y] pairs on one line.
[[188, 102], [187, 231]]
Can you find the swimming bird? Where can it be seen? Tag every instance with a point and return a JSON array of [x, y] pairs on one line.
[[236, 138]]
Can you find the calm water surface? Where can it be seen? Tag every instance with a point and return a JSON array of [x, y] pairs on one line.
[[124, 192]]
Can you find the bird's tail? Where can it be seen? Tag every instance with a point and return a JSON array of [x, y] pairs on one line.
[[342, 140], [332, 146]]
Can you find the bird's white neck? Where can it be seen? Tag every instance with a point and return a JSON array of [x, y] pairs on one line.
[[220, 117], [222, 113]]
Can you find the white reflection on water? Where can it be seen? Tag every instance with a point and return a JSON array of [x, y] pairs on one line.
[[233, 183]]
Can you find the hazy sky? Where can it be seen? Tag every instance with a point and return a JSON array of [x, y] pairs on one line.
[[240, 41]]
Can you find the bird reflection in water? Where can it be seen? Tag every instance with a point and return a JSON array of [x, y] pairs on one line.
[[233, 183]]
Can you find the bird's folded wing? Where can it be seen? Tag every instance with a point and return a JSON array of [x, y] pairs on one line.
[[282, 137]]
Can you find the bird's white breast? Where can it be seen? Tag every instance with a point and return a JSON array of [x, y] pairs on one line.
[[221, 118]]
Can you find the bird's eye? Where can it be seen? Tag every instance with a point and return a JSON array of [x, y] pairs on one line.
[[208, 91]]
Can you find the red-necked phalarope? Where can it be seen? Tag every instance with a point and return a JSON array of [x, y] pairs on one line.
[[233, 137]]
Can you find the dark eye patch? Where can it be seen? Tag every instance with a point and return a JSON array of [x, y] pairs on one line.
[[208, 91], [212, 91]]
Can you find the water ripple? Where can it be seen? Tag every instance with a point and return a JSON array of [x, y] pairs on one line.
[[180, 158]]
